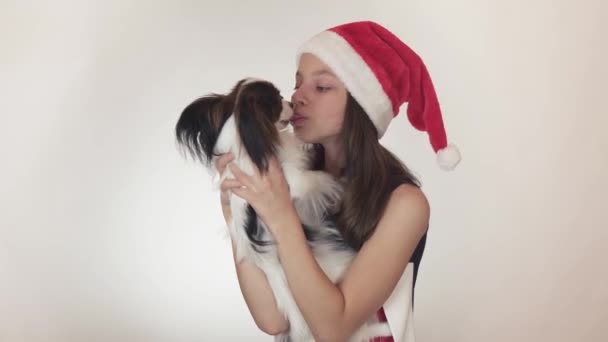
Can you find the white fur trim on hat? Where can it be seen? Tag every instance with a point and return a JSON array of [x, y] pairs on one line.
[[356, 75]]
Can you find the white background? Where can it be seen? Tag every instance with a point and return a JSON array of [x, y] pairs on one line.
[[108, 234]]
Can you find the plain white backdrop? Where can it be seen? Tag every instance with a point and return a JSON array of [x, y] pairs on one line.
[[108, 234]]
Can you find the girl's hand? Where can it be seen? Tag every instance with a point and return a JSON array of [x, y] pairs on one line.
[[220, 165], [268, 193]]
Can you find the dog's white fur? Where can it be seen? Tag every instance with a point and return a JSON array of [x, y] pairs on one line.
[[312, 192]]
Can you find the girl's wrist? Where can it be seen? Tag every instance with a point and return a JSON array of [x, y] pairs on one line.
[[283, 221]]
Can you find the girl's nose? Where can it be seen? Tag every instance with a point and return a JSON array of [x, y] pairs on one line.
[[296, 98]]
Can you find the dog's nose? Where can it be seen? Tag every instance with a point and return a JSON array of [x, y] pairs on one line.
[[290, 104]]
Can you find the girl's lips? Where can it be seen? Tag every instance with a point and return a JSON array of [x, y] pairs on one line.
[[297, 120]]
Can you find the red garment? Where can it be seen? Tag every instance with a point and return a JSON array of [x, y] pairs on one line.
[[382, 317]]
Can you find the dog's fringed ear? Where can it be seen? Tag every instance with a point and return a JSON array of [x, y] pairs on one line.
[[199, 126], [255, 114]]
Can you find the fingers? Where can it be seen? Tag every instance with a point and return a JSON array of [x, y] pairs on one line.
[[237, 188], [226, 185], [243, 193], [222, 161], [224, 198], [240, 176], [229, 184]]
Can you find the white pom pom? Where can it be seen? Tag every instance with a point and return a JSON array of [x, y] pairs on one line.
[[448, 157]]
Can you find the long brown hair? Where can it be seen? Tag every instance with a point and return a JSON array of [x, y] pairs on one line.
[[369, 170]]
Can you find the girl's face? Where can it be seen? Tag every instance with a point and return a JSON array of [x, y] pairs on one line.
[[319, 102]]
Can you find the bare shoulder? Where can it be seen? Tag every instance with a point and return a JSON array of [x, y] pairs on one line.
[[409, 194], [382, 259], [400, 228], [407, 207]]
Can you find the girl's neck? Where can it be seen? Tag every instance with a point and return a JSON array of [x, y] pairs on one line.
[[334, 159]]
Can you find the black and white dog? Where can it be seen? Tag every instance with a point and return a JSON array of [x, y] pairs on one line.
[[250, 121]]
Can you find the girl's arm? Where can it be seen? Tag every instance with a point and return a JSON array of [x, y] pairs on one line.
[[252, 281], [334, 312], [260, 299]]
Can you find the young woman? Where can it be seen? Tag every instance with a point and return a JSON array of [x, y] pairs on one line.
[[350, 82]]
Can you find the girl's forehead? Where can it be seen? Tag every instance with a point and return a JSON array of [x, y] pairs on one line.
[[311, 64], [314, 69], [315, 72]]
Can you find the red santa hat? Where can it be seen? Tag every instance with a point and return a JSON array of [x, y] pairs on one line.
[[382, 73]]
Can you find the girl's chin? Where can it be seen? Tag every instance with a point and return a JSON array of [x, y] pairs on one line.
[[301, 134]]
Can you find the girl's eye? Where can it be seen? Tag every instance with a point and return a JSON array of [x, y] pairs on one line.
[[323, 89]]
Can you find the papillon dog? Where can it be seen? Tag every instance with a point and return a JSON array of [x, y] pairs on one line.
[[252, 122]]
